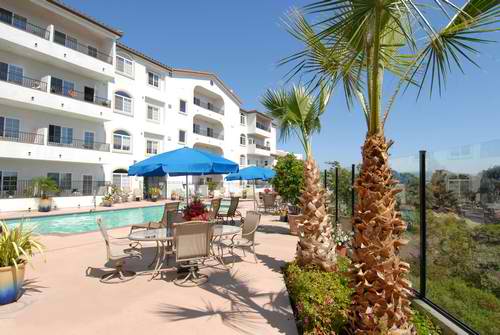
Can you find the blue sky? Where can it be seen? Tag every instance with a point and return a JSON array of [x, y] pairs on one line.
[[243, 40]]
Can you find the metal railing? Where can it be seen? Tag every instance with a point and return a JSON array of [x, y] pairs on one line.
[[78, 144], [263, 147], [85, 49], [74, 188], [22, 137], [15, 78], [27, 27], [71, 93], [209, 106], [262, 126], [206, 132]]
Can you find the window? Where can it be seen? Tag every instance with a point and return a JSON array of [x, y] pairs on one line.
[[63, 39], [19, 22], [8, 182], [153, 79], [152, 147], [196, 128], [64, 87], [124, 65], [123, 102], [243, 119], [60, 135], [243, 139], [242, 160], [182, 136], [121, 140], [121, 179], [88, 140], [9, 127], [92, 52], [153, 113], [87, 185], [210, 132], [265, 163], [251, 140], [15, 74], [197, 101], [63, 180], [182, 106]]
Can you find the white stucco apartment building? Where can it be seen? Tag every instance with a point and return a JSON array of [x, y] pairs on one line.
[[80, 107]]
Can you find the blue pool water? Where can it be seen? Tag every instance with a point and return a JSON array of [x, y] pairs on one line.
[[85, 222]]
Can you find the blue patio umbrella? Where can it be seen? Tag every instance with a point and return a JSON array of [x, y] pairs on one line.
[[252, 173], [183, 162]]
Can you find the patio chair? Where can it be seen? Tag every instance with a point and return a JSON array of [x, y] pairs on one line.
[[232, 211], [247, 237], [268, 201], [192, 248], [170, 215], [214, 208], [117, 258]]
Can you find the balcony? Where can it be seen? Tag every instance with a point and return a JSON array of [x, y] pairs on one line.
[[82, 96], [208, 132], [259, 149], [28, 40], [78, 144], [262, 126], [259, 129], [33, 94], [22, 137], [209, 106]]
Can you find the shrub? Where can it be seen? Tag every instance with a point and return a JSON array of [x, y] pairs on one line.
[[423, 324], [289, 179], [321, 299], [478, 308]]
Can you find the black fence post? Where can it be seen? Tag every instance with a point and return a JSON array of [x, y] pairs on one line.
[[336, 194], [423, 227], [353, 178]]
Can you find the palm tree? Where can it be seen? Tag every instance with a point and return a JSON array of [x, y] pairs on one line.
[[296, 111], [356, 44]]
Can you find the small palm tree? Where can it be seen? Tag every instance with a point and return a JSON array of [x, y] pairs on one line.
[[356, 44], [296, 111]]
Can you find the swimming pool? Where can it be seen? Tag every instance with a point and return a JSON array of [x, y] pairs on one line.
[[85, 222]]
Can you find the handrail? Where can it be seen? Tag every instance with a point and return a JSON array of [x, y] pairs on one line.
[[77, 143], [85, 49], [72, 93], [208, 106], [261, 126], [204, 132], [22, 137], [15, 78], [260, 146]]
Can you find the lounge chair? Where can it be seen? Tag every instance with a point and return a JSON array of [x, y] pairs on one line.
[[192, 247], [232, 211], [118, 258], [268, 202], [214, 208], [247, 237]]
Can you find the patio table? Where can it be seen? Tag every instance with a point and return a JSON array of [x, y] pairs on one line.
[[164, 237]]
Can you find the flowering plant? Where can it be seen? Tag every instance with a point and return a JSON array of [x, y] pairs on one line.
[[340, 236], [267, 190], [195, 209]]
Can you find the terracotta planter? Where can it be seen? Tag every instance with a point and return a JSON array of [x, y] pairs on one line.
[[154, 198], [293, 222], [11, 282], [44, 205], [341, 250], [107, 203]]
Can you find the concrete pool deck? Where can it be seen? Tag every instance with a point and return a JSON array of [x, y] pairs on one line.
[[64, 296]]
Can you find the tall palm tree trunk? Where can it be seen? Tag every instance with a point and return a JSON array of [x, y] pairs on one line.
[[381, 299], [315, 244]]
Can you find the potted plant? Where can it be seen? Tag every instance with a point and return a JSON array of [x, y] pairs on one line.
[[17, 245], [294, 219], [283, 213], [107, 199], [244, 194], [154, 193], [42, 188], [196, 210], [212, 185], [341, 239], [174, 195]]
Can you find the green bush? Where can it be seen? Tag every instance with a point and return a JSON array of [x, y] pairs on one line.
[[423, 324], [289, 179], [478, 308], [321, 299]]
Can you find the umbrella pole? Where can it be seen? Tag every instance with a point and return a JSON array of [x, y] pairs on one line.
[[187, 191], [254, 198]]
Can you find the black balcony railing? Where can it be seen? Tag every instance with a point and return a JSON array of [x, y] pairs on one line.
[[209, 106], [262, 126], [263, 147], [18, 79], [26, 26], [78, 144], [82, 96], [21, 136], [208, 132], [73, 188], [85, 49]]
